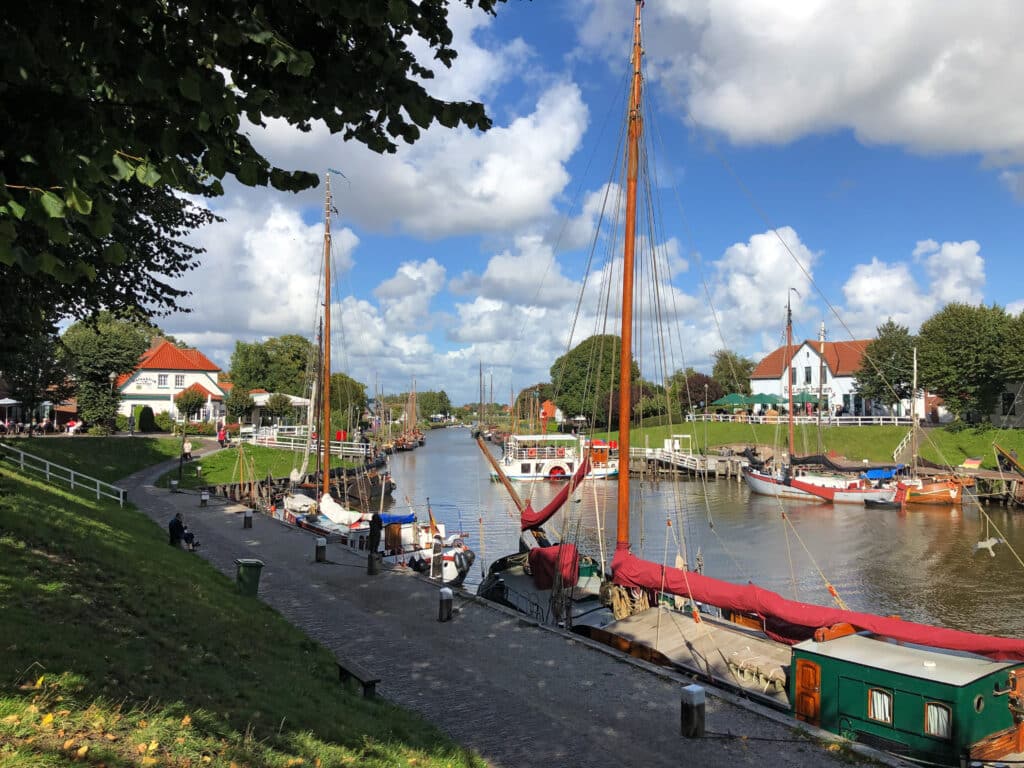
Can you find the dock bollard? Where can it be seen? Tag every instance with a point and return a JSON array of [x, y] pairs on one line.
[[204, 497], [247, 519], [444, 608], [174, 486], [691, 718], [321, 550], [373, 560]]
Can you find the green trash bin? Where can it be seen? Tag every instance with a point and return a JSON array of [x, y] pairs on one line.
[[248, 576]]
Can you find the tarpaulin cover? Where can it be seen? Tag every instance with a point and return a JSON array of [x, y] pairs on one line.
[[535, 518], [393, 519], [545, 562], [792, 621], [882, 474]]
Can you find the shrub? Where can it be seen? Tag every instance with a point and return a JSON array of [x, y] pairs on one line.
[[145, 421], [163, 421], [121, 423]]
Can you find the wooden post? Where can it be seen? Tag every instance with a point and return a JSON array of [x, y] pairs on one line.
[[691, 718]]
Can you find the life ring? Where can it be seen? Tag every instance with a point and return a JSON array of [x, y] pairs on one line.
[[561, 453], [532, 453], [557, 472]]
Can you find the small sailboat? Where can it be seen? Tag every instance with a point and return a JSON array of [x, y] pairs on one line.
[[929, 693]]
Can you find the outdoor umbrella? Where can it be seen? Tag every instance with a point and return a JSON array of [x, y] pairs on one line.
[[733, 399], [764, 399], [805, 397]]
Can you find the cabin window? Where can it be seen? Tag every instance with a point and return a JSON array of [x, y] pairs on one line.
[[979, 703], [161, 379], [880, 705], [525, 469], [179, 380], [938, 719]]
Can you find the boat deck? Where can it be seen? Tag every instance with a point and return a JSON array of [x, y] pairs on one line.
[[714, 648]]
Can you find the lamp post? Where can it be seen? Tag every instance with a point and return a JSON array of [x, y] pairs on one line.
[[112, 377]]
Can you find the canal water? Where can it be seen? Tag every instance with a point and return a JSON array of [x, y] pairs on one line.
[[919, 564]]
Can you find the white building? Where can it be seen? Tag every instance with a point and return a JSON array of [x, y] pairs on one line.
[[163, 373]]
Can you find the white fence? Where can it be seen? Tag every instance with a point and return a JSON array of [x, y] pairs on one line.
[[294, 439], [832, 421], [53, 473]]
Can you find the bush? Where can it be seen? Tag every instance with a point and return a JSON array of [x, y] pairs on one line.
[[233, 429], [162, 421], [121, 423], [145, 421], [100, 430]]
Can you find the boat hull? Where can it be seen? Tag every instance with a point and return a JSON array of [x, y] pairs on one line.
[[949, 492], [858, 493], [767, 485]]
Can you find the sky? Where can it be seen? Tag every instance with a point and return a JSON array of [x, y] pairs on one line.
[[868, 155]]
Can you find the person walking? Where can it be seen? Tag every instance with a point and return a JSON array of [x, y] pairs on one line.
[[186, 450], [222, 437]]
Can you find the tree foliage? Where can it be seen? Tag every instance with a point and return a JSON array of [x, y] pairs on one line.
[[348, 401], [249, 366], [290, 362], [732, 371], [278, 405], [96, 348], [962, 356], [586, 379], [432, 403], [189, 402], [37, 372], [886, 373], [238, 403], [163, 97], [687, 390]]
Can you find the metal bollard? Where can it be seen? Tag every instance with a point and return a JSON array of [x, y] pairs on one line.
[[174, 486], [373, 560], [247, 519], [444, 608], [691, 716], [321, 550], [204, 497], [199, 470]]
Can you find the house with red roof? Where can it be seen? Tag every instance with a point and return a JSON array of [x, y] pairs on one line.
[[165, 371], [814, 367]]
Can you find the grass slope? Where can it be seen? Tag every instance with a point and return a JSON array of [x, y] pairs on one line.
[[107, 458], [257, 462], [117, 650]]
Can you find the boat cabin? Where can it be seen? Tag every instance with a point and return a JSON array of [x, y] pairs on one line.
[[906, 699]]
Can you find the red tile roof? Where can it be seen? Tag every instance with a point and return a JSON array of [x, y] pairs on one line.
[[164, 356], [227, 386], [843, 358], [197, 387]]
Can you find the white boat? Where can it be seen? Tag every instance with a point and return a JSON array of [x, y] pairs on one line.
[[555, 457]]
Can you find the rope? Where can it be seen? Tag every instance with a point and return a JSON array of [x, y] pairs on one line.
[[828, 585]]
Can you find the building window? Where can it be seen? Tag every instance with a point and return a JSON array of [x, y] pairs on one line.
[[938, 720], [179, 380], [161, 380], [792, 375], [807, 375], [880, 706], [1009, 404]]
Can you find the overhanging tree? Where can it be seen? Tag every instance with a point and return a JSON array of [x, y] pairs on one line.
[[887, 368]]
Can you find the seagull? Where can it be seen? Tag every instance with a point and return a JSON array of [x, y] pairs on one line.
[[988, 544]]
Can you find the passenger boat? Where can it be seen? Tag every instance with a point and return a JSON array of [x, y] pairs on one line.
[[555, 457], [934, 695]]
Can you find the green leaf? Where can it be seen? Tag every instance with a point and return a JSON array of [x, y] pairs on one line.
[[189, 85], [147, 174], [114, 254], [52, 204], [248, 173], [301, 64], [213, 161], [78, 201], [203, 122], [16, 209], [29, 159], [125, 170]]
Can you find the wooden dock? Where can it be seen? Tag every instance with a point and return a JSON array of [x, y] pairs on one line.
[[652, 461]]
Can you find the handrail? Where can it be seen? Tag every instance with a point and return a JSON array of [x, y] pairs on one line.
[[297, 442], [52, 471]]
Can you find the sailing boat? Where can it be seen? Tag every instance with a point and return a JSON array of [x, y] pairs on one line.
[[930, 693], [407, 541]]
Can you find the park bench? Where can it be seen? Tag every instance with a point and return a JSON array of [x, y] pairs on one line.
[[350, 670]]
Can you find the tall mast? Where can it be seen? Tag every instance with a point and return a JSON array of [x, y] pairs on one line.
[[913, 421], [789, 368], [626, 353], [325, 432]]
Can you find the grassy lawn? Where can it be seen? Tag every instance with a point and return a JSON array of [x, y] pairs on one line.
[[106, 458], [118, 650], [228, 466]]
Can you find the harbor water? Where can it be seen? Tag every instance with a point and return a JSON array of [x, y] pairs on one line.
[[920, 564]]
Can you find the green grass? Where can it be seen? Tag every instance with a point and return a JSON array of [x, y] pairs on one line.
[[122, 651], [876, 443], [107, 458], [225, 466]]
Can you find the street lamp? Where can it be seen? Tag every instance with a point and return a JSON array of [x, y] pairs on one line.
[[112, 377]]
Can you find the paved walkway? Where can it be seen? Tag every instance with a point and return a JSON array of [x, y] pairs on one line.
[[519, 694]]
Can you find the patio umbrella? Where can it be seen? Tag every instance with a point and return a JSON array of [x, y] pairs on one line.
[[805, 397], [733, 399], [764, 399]]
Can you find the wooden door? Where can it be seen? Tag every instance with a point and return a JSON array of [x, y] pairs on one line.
[[807, 698]]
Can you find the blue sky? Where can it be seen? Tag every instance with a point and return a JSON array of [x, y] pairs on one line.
[[884, 146]]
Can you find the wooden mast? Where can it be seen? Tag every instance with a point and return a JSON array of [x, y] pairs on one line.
[[789, 369], [626, 352], [325, 432]]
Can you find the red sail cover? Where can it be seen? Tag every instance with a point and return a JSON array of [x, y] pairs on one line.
[[535, 519], [545, 562], [791, 621]]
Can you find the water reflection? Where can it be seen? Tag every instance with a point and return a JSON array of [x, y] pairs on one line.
[[919, 564]]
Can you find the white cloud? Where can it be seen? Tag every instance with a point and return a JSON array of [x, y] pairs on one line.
[[956, 271], [405, 298], [932, 78], [530, 276], [1014, 181], [877, 292], [1015, 307]]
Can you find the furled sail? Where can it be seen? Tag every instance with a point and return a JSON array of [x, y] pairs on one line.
[[532, 518], [791, 621]]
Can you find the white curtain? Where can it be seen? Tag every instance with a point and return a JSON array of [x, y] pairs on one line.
[[880, 706], [937, 720]]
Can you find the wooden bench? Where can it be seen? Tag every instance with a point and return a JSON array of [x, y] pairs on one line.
[[350, 670]]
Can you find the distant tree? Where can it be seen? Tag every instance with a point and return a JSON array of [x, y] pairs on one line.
[[249, 366], [348, 401], [962, 356], [278, 405], [238, 404], [290, 363], [886, 372], [189, 403], [732, 371], [432, 403], [688, 393], [96, 348], [586, 379], [37, 373]]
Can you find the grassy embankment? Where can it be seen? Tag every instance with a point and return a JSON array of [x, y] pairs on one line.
[[875, 443], [117, 650]]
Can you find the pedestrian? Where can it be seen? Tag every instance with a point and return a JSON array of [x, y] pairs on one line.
[[186, 450], [176, 531], [222, 437]]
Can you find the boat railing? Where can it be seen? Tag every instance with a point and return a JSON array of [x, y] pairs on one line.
[[54, 473], [543, 452]]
